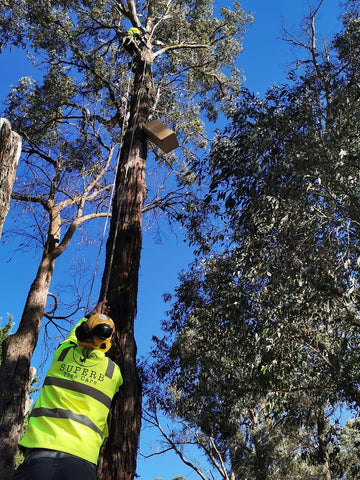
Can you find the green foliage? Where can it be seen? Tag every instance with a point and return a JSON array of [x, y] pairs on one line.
[[190, 48], [78, 108], [291, 181], [347, 450], [286, 174], [261, 341]]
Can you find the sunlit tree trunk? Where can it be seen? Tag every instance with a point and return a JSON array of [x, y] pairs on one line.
[[118, 459], [10, 149]]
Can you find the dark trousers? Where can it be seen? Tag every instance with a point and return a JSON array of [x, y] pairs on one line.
[[58, 468]]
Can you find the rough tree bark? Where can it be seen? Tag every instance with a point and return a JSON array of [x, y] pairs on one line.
[[323, 454], [15, 365], [119, 454], [10, 149]]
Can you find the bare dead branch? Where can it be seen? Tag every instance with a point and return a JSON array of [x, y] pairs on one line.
[[55, 304], [180, 46], [132, 14]]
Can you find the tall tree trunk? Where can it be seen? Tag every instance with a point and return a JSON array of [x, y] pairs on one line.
[[119, 454], [260, 461], [10, 149], [15, 364], [323, 454]]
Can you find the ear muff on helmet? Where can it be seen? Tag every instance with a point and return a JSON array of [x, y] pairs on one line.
[[103, 331], [83, 332]]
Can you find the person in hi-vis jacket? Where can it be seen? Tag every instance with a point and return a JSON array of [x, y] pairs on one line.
[[68, 422]]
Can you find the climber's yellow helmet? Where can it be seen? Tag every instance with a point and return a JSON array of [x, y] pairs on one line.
[[96, 333]]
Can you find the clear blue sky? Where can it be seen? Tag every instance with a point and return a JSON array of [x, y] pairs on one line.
[[265, 61]]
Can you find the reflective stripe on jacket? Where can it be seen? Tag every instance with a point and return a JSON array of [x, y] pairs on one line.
[[71, 413]]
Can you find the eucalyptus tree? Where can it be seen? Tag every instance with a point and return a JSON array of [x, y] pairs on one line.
[[221, 373], [181, 68], [347, 450], [291, 182], [271, 313]]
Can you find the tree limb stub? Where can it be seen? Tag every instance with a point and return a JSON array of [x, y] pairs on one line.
[[10, 149]]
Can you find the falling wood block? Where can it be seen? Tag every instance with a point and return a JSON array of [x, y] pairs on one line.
[[161, 135]]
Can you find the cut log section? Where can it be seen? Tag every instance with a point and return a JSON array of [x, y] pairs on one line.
[[161, 136]]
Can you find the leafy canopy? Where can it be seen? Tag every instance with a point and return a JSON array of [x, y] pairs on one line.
[[261, 340]]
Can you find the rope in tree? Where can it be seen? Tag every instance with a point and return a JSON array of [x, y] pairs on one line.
[[111, 195], [107, 280]]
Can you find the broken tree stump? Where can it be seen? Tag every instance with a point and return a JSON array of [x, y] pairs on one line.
[[10, 149]]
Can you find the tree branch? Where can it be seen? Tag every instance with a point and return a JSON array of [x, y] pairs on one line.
[[180, 46], [173, 445], [133, 16]]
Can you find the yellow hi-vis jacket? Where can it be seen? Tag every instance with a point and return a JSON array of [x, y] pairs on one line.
[[71, 412]]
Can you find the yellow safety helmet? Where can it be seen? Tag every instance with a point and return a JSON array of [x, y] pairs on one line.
[[96, 333]]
